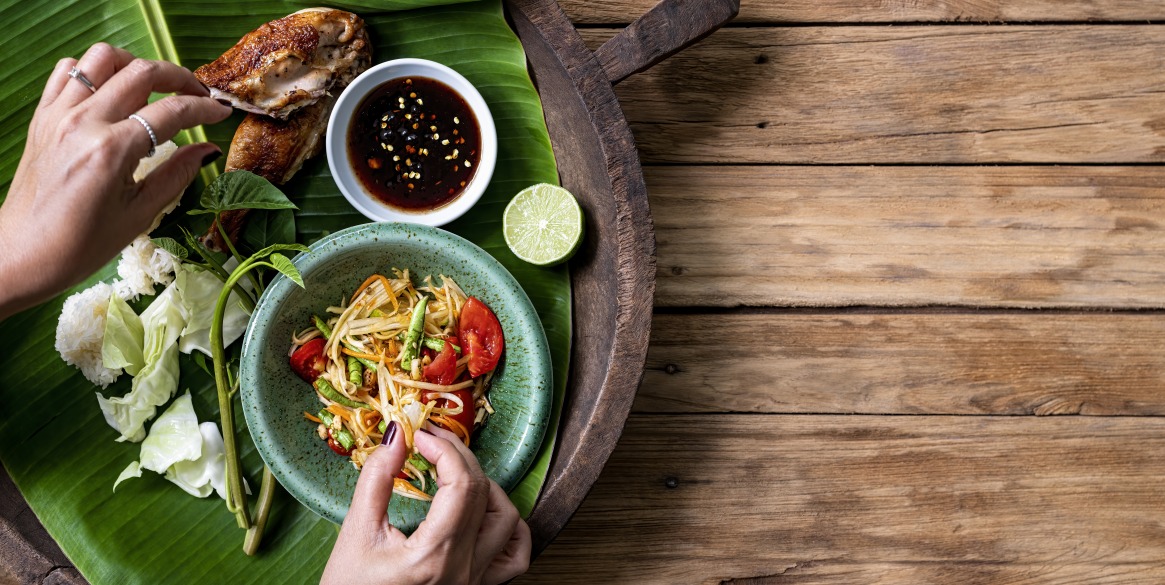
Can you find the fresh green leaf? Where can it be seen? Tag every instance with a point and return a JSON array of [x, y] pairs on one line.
[[279, 248], [242, 190], [286, 268], [117, 538], [367, 7], [172, 246], [199, 360], [265, 228]]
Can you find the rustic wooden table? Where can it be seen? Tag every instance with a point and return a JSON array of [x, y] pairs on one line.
[[908, 322]]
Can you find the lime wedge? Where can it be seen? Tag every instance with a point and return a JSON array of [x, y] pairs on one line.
[[543, 224]]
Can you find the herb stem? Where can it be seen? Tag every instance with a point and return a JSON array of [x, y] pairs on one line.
[[236, 496], [217, 268], [262, 511], [231, 246]]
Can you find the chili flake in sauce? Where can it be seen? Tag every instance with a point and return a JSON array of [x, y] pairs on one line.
[[414, 143]]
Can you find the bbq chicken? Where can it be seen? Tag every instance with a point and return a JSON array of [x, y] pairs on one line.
[[290, 63], [287, 74]]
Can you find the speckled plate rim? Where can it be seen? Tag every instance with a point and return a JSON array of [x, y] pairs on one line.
[[282, 463]]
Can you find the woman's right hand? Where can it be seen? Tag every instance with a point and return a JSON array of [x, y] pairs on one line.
[[73, 203], [473, 533]]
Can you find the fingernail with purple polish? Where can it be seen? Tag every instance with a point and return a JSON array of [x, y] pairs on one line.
[[389, 433], [211, 157]]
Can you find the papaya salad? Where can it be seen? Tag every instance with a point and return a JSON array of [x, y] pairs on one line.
[[394, 352]]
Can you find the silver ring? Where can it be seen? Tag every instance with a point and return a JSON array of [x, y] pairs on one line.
[[76, 74], [146, 125]]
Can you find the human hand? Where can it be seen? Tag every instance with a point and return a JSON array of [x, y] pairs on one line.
[[73, 203], [472, 535]]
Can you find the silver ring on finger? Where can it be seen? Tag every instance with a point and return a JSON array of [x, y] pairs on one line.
[[76, 74], [150, 130]]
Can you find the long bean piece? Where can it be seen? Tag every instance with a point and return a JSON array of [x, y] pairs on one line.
[[412, 342]]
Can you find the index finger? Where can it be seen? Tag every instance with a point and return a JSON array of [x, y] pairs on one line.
[[460, 503], [127, 91]]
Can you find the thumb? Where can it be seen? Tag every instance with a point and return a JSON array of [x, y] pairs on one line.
[[374, 488], [161, 187]]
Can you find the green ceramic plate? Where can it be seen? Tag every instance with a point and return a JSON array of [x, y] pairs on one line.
[[274, 398]]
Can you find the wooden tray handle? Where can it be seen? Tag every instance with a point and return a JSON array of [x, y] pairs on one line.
[[667, 28]]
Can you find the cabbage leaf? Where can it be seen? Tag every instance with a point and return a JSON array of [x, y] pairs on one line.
[[124, 336], [199, 291], [157, 381], [207, 472], [173, 437], [190, 455]]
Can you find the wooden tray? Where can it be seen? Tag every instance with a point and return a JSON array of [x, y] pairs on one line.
[[612, 275]]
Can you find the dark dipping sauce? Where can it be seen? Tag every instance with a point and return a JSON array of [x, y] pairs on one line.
[[414, 143]]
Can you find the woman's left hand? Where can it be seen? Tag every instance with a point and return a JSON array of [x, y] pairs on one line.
[[73, 203]]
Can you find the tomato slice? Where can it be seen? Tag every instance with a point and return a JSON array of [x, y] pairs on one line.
[[338, 448], [467, 413], [443, 369], [482, 334], [308, 362]]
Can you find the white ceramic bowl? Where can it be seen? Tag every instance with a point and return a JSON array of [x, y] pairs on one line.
[[337, 142]]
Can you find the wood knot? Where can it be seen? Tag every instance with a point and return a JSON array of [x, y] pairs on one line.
[[671, 368], [671, 483], [762, 125], [678, 270], [761, 60]]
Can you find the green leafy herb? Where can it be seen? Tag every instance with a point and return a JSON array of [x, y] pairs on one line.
[[286, 268], [269, 227], [172, 246], [241, 190]]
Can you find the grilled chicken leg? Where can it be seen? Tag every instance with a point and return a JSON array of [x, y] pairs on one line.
[[275, 150], [290, 63], [287, 73]]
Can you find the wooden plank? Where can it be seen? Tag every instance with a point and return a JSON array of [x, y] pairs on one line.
[[911, 94], [853, 499], [935, 362], [820, 11], [977, 236]]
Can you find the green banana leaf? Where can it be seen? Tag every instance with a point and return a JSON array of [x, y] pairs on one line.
[[53, 440]]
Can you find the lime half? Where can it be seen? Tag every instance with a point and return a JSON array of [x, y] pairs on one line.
[[543, 224]]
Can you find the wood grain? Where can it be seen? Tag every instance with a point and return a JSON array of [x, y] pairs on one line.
[[848, 11], [975, 236], [853, 499], [613, 272], [933, 362], [669, 26], [911, 94]]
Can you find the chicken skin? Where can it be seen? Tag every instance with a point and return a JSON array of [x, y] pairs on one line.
[[290, 63]]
